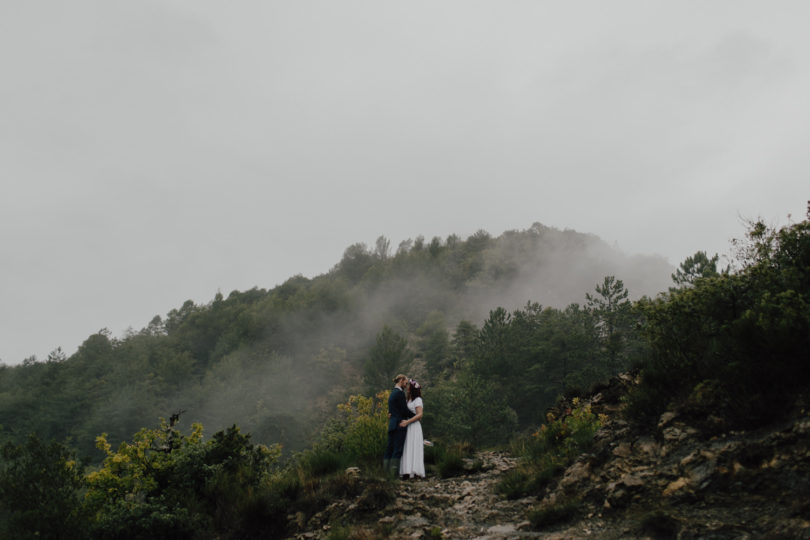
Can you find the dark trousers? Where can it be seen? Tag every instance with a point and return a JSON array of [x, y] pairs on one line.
[[396, 443]]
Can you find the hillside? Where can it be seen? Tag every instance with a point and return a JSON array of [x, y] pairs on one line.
[[277, 361], [674, 481], [708, 438]]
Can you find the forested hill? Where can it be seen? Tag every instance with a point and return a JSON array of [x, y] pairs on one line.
[[277, 361]]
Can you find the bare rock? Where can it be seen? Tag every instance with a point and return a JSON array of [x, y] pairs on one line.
[[502, 529], [666, 418], [676, 486], [576, 474]]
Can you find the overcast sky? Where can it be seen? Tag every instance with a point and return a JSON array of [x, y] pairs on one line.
[[158, 151]]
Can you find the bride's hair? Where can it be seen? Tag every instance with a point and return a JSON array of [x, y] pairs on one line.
[[414, 392]]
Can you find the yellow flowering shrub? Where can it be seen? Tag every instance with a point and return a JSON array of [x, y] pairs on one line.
[[366, 426]]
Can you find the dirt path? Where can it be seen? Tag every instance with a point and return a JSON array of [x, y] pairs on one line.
[[464, 507]]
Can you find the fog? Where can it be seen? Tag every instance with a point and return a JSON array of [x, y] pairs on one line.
[[158, 151], [284, 386]]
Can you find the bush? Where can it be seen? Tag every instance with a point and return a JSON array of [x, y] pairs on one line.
[[554, 514], [359, 434], [167, 485], [452, 464], [561, 439], [745, 333], [321, 462], [457, 413], [39, 491], [448, 461], [547, 452], [514, 484]]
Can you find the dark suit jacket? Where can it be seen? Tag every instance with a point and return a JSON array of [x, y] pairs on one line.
[[398, 408]]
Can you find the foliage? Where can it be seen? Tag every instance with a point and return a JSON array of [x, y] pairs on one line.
[[435, 533], [470, 409], [520, 363], [358, 434], [387, 357], [168, 485], [450, 461], [434, 344], [743, 334], [39, 491], [550, 449], [553, 514], [694, 267], [613, 311], [277, 361]]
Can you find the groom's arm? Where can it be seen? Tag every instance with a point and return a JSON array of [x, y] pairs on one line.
[[404, 411]]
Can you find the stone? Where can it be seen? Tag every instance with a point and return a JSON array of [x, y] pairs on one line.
[[415, 521], [679, 433], [647, 447], [676, 486], [574, 475], [631, 480], [690, 458], [701, 476], [666, 418], [502, 529], [623, 450]]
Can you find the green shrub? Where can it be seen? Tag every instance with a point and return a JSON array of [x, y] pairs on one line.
[[342, 485], [546, 452], [167, 485], [358, 434], [554, 514], [450, 461], [456, 412], [435, 533], [514, 484], [451, 465], [39, 491], [432, 454], [561, 439], [321, 462], [748, 329]]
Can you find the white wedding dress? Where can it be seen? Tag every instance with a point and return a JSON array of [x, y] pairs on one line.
[[413, 456]]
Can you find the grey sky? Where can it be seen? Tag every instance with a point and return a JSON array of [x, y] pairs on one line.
[[152, 152]]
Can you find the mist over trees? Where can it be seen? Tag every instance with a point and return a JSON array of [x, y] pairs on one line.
[[277, 361], [727, 348]]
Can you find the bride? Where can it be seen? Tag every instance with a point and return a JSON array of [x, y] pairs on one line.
[[413, 456]]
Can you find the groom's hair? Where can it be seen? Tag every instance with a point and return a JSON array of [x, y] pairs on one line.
[[399, 378]]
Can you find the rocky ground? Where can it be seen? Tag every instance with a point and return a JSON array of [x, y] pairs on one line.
[[674, 482]]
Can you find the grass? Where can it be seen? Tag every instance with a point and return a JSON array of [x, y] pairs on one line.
[[554, 514], [448, 461], [319, 462]]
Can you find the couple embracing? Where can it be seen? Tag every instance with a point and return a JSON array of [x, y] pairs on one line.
[[404, 454]]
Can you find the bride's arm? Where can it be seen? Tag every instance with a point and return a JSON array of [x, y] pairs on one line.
[[415, 417]]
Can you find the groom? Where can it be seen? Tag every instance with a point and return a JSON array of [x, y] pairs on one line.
[[398, 412]]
